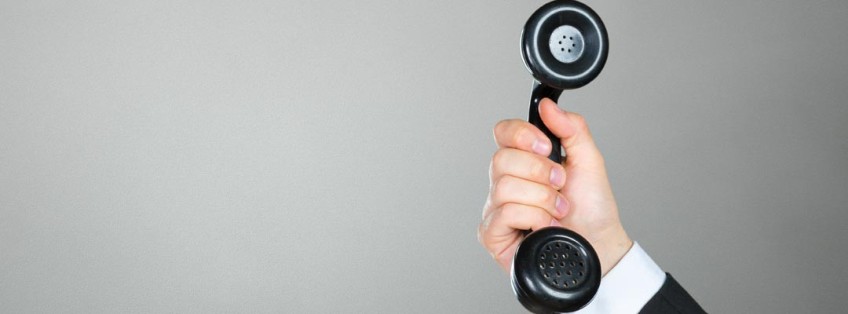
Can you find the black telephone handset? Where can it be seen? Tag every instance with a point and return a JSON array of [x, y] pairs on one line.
[[564, 45]]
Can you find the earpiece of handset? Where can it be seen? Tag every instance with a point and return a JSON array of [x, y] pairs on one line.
[[564, 45]]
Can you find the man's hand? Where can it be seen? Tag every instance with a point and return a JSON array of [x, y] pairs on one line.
[[529, 191]]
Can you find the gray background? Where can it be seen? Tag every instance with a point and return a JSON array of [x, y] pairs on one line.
[[280, 156]]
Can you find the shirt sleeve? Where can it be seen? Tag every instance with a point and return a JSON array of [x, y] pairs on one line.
[[628, 286]]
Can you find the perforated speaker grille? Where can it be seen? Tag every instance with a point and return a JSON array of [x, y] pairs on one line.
[[562, 264]]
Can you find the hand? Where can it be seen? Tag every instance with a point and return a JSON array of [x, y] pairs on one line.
[[529, 191]]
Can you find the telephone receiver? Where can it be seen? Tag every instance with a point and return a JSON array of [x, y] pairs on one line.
[[564, 45]]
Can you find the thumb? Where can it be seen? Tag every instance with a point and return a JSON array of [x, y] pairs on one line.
[[573, 131]]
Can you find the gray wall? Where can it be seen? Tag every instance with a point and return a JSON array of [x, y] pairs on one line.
[[280, 156]]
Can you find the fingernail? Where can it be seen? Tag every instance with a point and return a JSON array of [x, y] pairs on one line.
[[561, 205], [541, 147], [555, 223], [556, 176]]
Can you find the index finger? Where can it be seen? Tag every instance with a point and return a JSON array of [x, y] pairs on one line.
[[520, 134]]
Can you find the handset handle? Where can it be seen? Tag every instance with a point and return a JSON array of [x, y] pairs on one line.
[[542, 91], [554, 269]]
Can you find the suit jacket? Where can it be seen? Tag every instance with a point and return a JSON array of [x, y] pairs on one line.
[[671, 299]]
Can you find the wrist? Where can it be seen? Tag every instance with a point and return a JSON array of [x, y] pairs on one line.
[[611, 248]]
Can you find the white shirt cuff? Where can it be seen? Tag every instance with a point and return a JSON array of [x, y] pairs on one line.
[[628, 286]]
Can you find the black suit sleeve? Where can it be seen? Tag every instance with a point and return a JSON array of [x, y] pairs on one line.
[[671, 299]]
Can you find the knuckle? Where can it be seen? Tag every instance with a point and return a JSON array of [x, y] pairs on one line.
[[546, 197], [577, 117], [503, 187], [580, 121], [511, 213], [519, 135], [500, 125], [600, 161], [498, 159], [500, 128], [539, 171]]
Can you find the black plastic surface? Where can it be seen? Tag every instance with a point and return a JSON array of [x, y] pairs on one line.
[[559, 287], [536, 44], [539, 92], [554, 269]]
